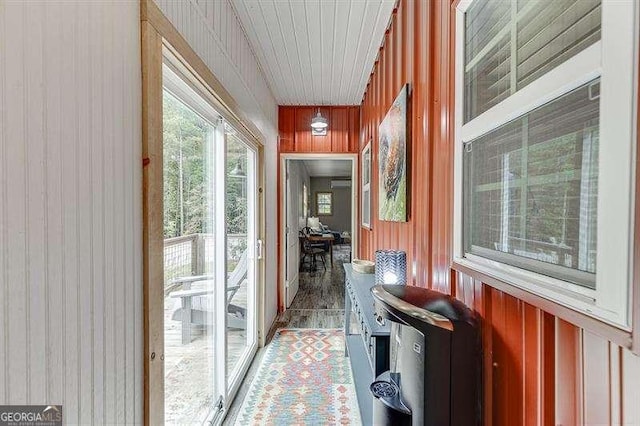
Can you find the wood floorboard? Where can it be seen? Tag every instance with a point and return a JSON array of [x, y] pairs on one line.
[[186, 366], [319, 303]]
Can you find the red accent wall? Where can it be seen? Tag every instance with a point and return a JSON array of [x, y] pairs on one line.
[[294, 123], [538, 369]]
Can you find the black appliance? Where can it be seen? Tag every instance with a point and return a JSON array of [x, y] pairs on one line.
[[434, 376]]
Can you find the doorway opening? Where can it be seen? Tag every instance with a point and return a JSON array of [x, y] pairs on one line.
[[318, 227]]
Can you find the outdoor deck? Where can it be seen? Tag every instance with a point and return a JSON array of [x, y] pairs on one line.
[[187, 389], [188, 397]]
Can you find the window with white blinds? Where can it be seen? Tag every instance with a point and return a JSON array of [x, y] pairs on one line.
[[509, 44], [531, 189], [545, 103]]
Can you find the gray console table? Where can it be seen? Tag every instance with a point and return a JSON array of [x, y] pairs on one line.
[[368, 350]]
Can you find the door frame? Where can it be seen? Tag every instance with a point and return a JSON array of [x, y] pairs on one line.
[[286, 224], [157, 33], [282, 182]]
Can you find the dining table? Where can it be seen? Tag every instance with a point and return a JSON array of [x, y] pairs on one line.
[[314, 238]]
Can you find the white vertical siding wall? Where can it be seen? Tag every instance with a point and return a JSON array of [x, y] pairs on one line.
[[70, 208], [213, 30]]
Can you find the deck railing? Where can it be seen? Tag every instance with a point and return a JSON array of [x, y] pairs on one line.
[[194, 254]]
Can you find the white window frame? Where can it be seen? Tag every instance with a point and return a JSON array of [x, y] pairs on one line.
[[366, 185], [330, 203], [613, 58]]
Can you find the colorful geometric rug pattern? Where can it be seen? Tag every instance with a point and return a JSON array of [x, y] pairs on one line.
[[304, 379]]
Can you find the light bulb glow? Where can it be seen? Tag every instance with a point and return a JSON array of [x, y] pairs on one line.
[[389, 278], [319, 122]]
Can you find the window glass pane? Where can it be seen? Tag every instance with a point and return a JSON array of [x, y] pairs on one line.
[[366, 207], [239, 286], [484, 20], [185, 138], [530, 189], [544, 33], [188, 171], [323, 203], [366, 167], [487, 81], [549, 33]]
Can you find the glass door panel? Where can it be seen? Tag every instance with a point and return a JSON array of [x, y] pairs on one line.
[[189, 211], [210, 230], [241, 255]]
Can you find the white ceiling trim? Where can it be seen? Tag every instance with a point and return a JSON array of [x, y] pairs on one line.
[[315, 52]]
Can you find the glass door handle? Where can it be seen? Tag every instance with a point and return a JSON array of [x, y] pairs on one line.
[[259, 249]]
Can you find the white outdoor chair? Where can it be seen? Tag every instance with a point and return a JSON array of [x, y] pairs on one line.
[[197, 303]]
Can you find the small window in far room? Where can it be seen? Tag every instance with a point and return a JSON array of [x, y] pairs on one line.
[[324, 203]]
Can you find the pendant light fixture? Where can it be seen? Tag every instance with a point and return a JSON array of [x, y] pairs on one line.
[[318, 122]]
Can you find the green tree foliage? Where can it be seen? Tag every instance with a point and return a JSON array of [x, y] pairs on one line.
[[236, 186], [189, 184], [184, 136]]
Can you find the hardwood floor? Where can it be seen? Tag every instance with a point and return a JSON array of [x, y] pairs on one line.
[[318, 304], [321, 289]]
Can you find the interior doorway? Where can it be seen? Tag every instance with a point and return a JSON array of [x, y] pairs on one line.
[[318, 202]]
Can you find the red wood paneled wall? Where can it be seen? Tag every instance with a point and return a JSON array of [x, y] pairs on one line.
[[295, 131], [538, 369]]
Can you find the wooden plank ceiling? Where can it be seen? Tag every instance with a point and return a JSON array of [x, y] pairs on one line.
[[317, 52]]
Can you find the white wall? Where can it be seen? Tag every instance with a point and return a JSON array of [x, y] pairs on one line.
[[70, 194], [214, 32], [70, 208]]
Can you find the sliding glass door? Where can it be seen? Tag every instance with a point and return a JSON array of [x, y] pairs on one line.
[[210, 228], [241, 336], [189, 216]]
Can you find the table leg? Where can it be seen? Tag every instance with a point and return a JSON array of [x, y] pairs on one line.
[[331, 252]]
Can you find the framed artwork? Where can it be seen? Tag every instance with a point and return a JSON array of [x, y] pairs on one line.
[[392, 161], [366, 186], [324, 203]]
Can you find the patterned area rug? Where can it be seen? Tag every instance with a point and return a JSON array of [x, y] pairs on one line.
[[304, 379]]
